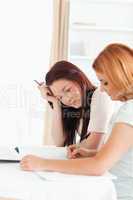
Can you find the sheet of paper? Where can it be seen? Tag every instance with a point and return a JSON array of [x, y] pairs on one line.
[[45, 152], [8, 154]]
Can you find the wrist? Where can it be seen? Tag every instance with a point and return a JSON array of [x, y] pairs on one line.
[[43, 165], [47, 165], [84, 144], [57, 105]]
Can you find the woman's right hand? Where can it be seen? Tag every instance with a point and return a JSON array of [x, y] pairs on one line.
[[70, 150], [46, 94], [75, 151]]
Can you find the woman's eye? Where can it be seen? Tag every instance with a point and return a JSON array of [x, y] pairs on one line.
[[58, 97], [68, 90], [106, 83]]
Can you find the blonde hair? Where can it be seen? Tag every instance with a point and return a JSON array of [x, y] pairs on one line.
[[116, 63]]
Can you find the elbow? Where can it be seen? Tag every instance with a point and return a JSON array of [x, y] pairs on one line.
[[99, 172], [98, 169]]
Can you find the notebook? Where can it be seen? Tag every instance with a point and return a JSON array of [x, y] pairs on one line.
[[9, 154]]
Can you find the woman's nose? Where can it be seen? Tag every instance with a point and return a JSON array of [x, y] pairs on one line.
[[70, 100], [67, 99], [102, 88]]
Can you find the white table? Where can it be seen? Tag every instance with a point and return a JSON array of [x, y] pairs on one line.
[[29, 186]]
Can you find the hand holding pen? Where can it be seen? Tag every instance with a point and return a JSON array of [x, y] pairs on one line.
[[47, 94], [72, 151], [45, 91], [39, 83], [75, 151]]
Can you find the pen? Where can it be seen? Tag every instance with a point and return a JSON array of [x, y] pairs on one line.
[[41, 83], [17, 149]]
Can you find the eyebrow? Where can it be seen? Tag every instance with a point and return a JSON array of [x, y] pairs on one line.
[[100, 80], [50, 90], [64, 88]]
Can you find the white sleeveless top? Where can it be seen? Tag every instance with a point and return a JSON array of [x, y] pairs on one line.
[[124, 168], [101, 110]]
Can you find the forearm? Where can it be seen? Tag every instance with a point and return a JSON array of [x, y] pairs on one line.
[[57, 127], [86, 166], [93, 141], [91, 153], [84, 144]]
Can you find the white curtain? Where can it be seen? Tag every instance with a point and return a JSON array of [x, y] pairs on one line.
[[59, 51]]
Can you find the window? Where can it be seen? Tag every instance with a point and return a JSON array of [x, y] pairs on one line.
[[93, 25]]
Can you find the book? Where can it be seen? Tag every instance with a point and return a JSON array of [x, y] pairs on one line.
[[9, 154], [15, 154]]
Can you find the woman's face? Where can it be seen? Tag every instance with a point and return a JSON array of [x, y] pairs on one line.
[[106, 86], [68, 92]]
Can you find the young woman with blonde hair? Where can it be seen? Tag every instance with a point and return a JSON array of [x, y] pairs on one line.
[[114, 69]]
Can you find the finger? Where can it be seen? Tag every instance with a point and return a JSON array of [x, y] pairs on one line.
[[25, 166], [69, 154], [45, 93], [27, 157], [72, 147], [76, 153], [24, 163], [69, 148], [50, 98], [41, 83], [78, 150], [43, 88], [69, 151]]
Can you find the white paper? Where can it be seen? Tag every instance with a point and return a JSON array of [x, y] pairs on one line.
[[8, 154], [44, 152]]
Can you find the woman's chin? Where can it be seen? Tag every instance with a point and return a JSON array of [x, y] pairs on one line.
[[114, 98], [77, 106]]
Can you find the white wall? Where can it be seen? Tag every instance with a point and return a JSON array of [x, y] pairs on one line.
[[94, 24], [25, 36]]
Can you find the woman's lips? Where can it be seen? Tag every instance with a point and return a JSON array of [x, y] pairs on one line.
[[76, 102]]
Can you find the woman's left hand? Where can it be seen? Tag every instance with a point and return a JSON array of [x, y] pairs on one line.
[[32, 163]]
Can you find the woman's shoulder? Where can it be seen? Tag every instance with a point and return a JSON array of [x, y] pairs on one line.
[[125, 113], [101, 98], [126, 107], [96, 94], [100, 93]]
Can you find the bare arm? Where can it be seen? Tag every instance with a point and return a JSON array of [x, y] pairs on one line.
[[119, 142], [93, 141], [57, 127], [87, 147], [100, 114]]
